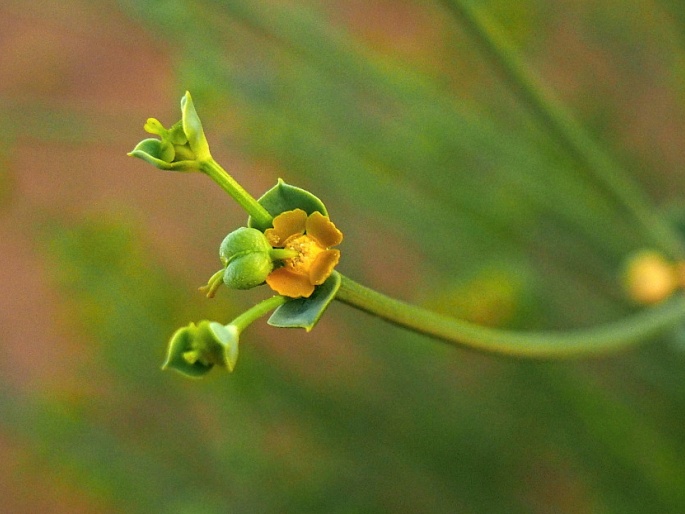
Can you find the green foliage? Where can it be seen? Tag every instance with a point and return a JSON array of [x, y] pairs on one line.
[[418, 142], [6, 180]]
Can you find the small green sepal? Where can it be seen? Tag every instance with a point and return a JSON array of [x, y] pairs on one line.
[[284, 197], [195, 349], [306, 312]]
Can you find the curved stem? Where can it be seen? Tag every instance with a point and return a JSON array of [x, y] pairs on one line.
[[245, 200], [256, 312], [577, 343], [213, 283], [565, 127]]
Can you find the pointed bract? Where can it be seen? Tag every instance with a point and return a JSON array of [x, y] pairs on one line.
[[192, 128]]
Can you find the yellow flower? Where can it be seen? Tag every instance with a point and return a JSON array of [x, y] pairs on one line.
[[310, 238], [650, 278]]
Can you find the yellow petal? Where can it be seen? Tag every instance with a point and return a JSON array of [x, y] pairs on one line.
[[286, 224], [323, 230], [287, 283], [323, 265]]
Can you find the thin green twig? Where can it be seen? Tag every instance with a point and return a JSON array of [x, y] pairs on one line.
[[544, 345], [229, 184], [564, 127], [261, 309]]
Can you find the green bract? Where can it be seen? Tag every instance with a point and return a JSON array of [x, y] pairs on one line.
[[306, 312], [180, 148], [284, 197], [192, 128], [195, 349]]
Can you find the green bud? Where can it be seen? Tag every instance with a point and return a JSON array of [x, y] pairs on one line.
[[183, 147], [176, 134], [195, 349], [183, 153], [153, 126]]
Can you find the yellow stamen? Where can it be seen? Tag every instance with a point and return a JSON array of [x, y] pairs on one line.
[[307, 249]]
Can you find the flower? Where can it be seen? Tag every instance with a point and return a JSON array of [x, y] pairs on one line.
[[311, 237], [195, 349], [181, 147], [650, 278]]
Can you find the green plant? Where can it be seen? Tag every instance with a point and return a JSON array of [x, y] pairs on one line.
[[288, 239]]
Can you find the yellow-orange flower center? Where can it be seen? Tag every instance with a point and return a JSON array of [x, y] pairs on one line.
[[311, 238], [307, 250]]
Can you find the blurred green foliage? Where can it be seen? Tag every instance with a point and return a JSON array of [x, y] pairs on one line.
[[5, 180], [450, 195]]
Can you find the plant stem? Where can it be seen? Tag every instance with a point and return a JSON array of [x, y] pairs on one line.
[[565, 128], [279, 254], [245, 200], [256, 312], [577, 343], [213, 283]]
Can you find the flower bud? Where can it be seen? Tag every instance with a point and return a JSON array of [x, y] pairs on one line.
[[195, 349], [650, 278], [180, 148]]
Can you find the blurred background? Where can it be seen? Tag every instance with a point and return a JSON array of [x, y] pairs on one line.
[[450, 195]]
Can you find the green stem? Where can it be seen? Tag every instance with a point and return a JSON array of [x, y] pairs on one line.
[[213, 283], [577, 343], [245, 200], [253, 314], [565, 128], [280, 254]]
